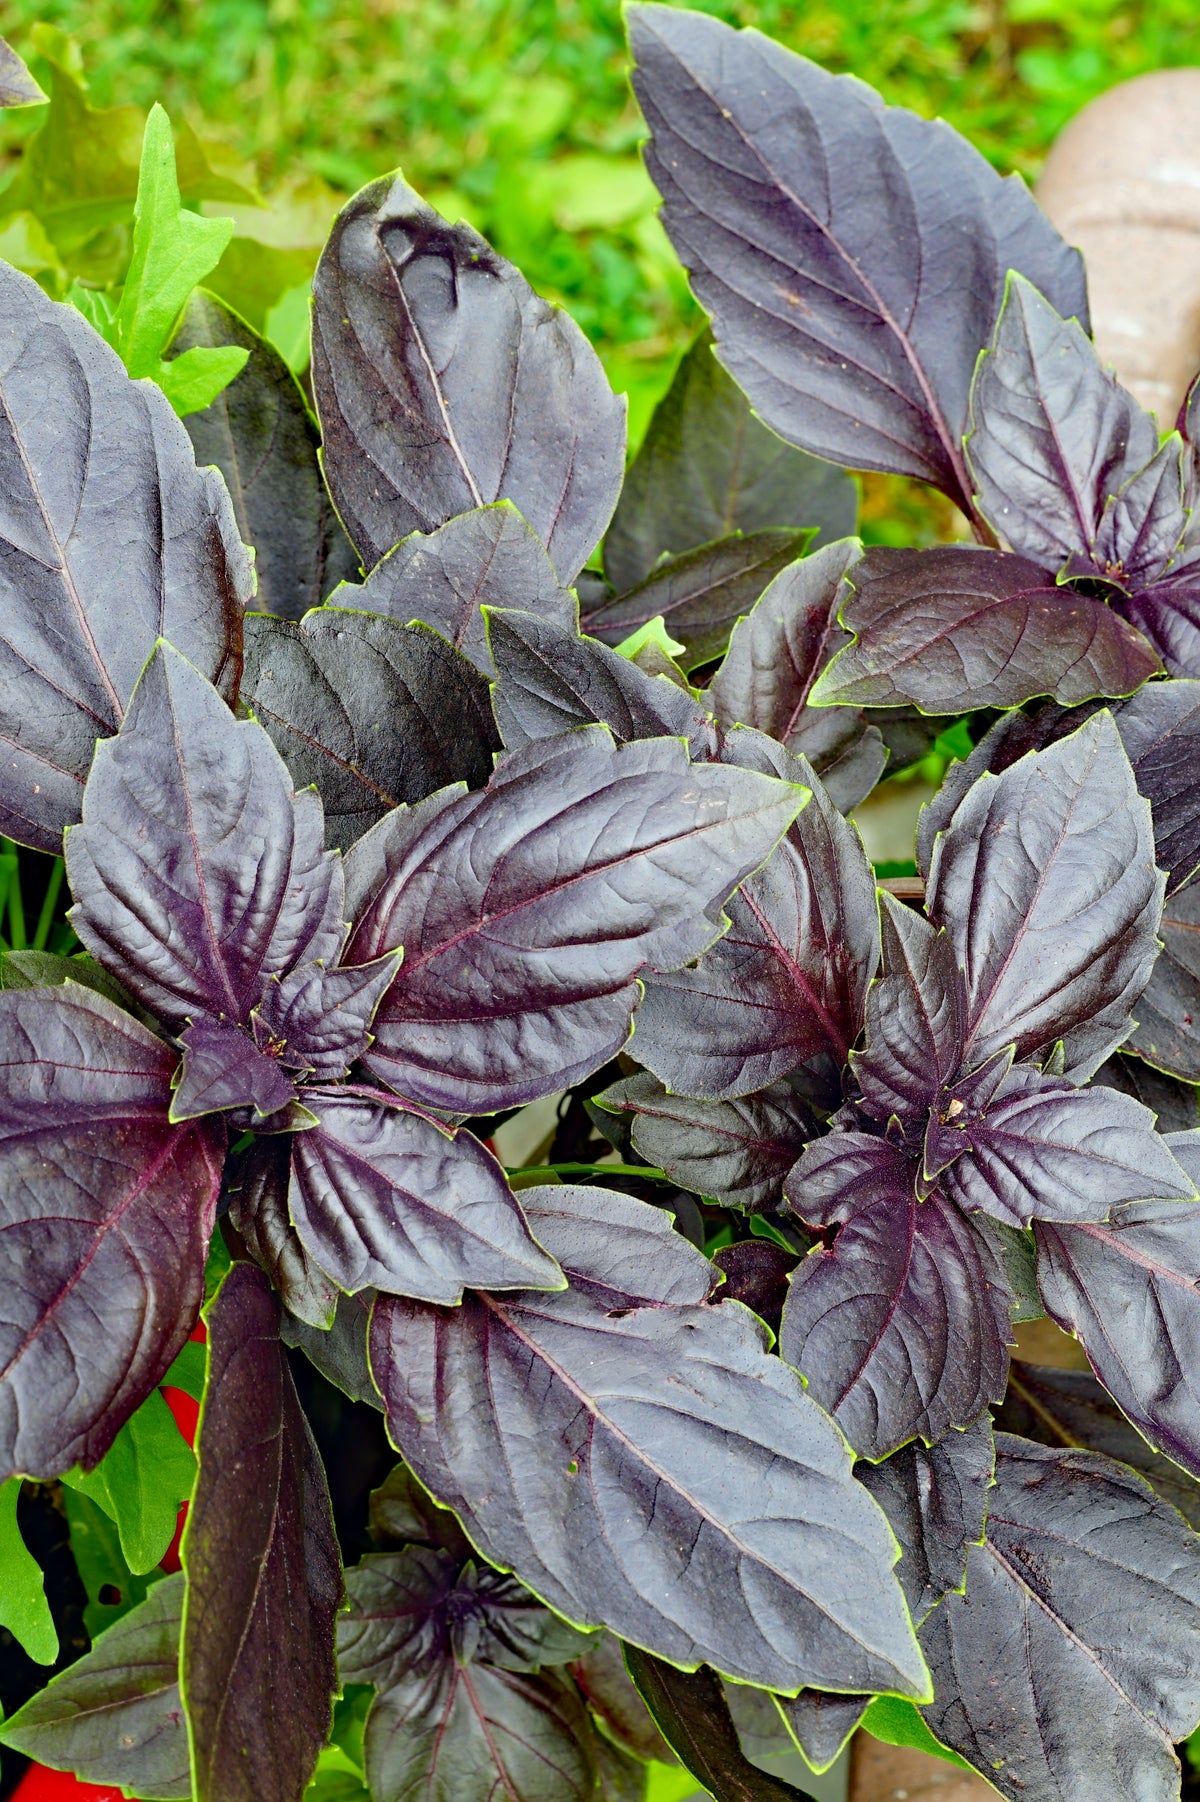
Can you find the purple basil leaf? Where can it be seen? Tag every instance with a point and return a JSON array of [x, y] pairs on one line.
[[256, 1182], [835, 211], [197, 876], [1045, 880], [111, 536], [17, 86], [223, 1068], [1073, 1660], [955, 627], [321, 1017], [820, 1722], [1168, 1013], [412, 1606], [617, 1250], [489, 557], [788, 980], [691, 1709], [1070, 1408], [756, 1274], [1054, 438], [1043, 1149], [115, 1717], [443, 382], [264, 1576], [936, 1498], [260, 435], [388, 1199], [775, 656], [520, 970], [1160, 730], [620, 1777], [107, 1213], [707, 467], [608, 1690], [369, 712], [1130, 1292], [680, 1451], [551, 679], [455, 1734], [1175, 1104], [843, 1171], [339, 1352], [902, 1328], [1168, 616], [701, 593], [402, 1513], [915, 1017], [738, 1150]]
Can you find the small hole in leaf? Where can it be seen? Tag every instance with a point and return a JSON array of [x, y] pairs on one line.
[[109, 1596], [573, 1468], [617, 1313]]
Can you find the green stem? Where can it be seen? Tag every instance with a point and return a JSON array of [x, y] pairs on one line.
[[16, 906], [589, 1170], [46, 917]]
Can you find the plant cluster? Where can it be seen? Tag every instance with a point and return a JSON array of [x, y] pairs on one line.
[[416, 764]]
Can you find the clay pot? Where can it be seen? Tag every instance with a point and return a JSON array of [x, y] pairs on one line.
[[881, 1773], [1123, 183]]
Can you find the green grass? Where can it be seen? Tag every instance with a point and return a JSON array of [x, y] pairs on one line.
[[518, 115]]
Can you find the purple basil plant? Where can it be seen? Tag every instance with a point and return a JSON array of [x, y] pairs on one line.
[[493, 772]]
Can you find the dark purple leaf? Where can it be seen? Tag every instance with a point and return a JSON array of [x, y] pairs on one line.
[[609, 1692], [936, 1498], [489, 557], [410, 1608], [915, 1017], [852, 256], [953, 628], [1045, 880], [761, 1730], [788, 980], [474, 1734], [692, 1712], [260, 435], [820, 1721], [388, 1199], [369, 712], [1130, 1292], [756, 1274], [1168, 616], [775, 656], [106, 1214], [520, 969], [1070, 1408], [700, 593], [1160, 730], [339, 1352], [223, 1068], [1174, 1103], [1073, 1660], [319, 1020], [256, 1182], [1041, 1148], [551, 679], [264, 1577], [707, 467], [1168, 1013], [902, 1328], [111, 537], [197, 876], [1053, 440], [615, 1450], [114, 1717], [402, 1513], [616, 1250], [739, 1150], [443, 382]]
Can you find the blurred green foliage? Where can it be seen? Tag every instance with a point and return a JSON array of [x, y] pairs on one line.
[[515, 114]]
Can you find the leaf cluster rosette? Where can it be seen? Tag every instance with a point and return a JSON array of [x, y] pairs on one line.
[[492, 776]]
